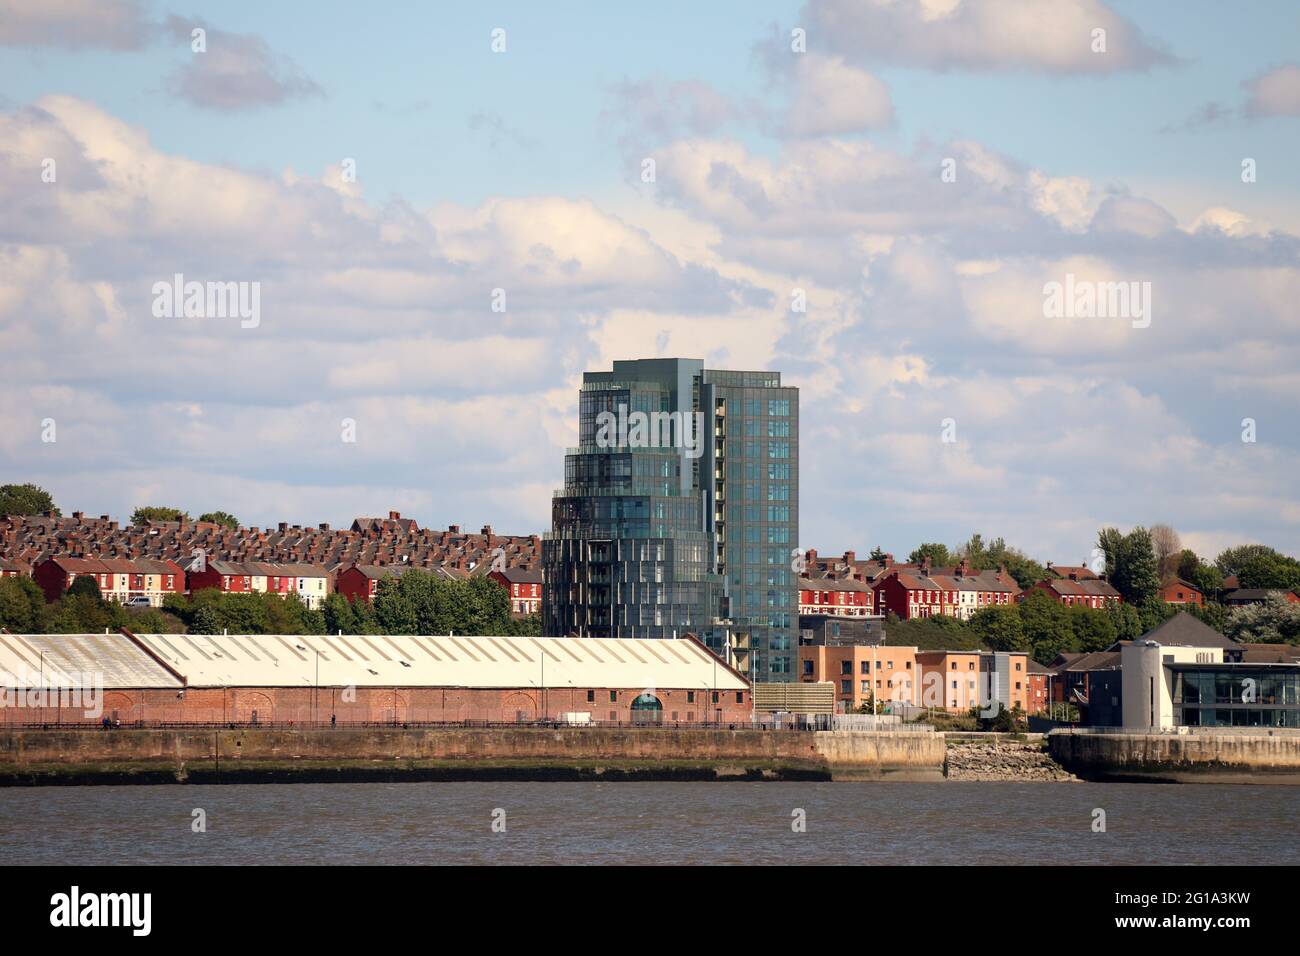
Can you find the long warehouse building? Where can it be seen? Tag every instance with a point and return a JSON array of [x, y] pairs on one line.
[[264, 679]]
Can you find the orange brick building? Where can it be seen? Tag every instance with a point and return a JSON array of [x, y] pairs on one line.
[[861, 673]]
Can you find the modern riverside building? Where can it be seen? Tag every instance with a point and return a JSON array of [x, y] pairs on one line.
[[680, 512]]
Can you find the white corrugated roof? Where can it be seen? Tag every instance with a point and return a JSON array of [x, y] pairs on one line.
[[76, 660], [290, 660]]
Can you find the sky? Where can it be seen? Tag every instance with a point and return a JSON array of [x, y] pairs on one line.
[[918, 173]]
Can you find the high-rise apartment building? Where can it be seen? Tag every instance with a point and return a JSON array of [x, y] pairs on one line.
[[680, 512]]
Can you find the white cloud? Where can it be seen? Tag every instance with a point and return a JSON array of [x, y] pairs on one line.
[[237, 71], [833, 98], [75, 24], [1275, 92], [981, 34]]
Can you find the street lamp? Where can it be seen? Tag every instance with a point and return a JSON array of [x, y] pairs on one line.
[[315, 687]]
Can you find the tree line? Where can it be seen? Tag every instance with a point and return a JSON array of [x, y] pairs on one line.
[[419, 602]]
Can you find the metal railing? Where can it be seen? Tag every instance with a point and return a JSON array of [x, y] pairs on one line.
[[784, 722]]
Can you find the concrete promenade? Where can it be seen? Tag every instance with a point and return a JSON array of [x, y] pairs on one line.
[[66, 756]]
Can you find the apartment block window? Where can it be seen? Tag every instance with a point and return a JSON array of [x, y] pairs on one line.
[[591, 696], [807, 669], [690, 694], [740, 697], [866, 667], [715, 696], [846, 667], [846, 687], [613, 697]]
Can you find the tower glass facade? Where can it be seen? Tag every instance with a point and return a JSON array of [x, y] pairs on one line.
[[680, 512]]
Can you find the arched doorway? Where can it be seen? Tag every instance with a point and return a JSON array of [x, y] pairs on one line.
[[387, 707], [251, 708], [118, 706], [646, 709], [518, 707]]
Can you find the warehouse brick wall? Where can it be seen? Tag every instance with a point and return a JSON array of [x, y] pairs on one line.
[[281, 705]]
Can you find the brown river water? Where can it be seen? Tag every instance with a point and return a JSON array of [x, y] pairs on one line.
[[652, 823]]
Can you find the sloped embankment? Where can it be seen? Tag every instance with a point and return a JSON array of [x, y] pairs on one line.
[[997, 757]]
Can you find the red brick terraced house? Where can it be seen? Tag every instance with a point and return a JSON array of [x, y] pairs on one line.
[[843, 597], [1179, 591], [119, 579], [977, 590], [361, 581], [1090, 592], [524, 586], [13, 569], [230, 577], [917, 594], [310, 582]]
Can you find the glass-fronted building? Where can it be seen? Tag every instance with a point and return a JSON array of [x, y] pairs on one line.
[[1236, 695], [680, 512]]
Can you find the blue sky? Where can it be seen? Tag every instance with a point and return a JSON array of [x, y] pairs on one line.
[[479, 170], [401, 87]]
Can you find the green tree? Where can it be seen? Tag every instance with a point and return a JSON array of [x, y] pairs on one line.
[[1270, 571], [997, 553], [339, 615], [1204, 577], [1048, 626], [157, 513], [1153, 612], [1094, 630], [25, 500], [1131, 565], [931, 633], [1128, 624], [1211, 613], [527, 626], [1231, 560], [206, 620], [423, 603], [999, 627], [937, 553], [22, 606], [224, 518], [87, 585]]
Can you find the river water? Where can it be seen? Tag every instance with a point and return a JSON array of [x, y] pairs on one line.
[[649, 823]]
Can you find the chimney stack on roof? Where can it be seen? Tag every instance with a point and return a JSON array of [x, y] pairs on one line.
[[850, 557], [394, 515]]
